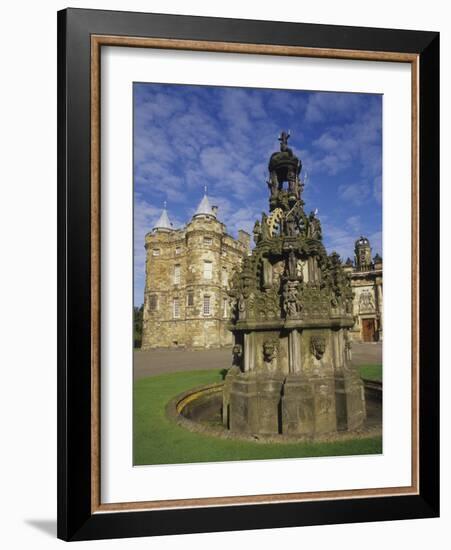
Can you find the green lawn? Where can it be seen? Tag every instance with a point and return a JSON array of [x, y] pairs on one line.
[[158, 440], [371, 372]]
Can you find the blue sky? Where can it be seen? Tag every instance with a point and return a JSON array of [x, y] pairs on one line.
[[186, 137]]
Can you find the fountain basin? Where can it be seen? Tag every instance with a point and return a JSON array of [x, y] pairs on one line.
[[199, 410]]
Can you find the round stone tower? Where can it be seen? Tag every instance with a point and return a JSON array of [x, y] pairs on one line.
[[291, 311], [362, 251]]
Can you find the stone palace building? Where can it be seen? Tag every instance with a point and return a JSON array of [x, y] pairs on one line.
[[188, 274], [366, 283], [188, 271]]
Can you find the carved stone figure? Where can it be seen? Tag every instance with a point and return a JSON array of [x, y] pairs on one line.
[[284, 165], [270, 351], [273, 184], [237, 354], [241, 306], [245, 304], [290, 226], [292, 266], [349, 297], [299, 270], [277, 272], [267, 273], [318, 346], [337, 280], [291, 181], [314, 227], [291, 300], [348, 346], [284, 137], [291, 308], [257, 231], [264, 227], [233, 306]]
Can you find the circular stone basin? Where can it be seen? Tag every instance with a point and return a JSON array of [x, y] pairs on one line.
[[202, 404], [200, 410]]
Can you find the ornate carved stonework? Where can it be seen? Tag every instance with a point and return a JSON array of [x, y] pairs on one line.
[[314, 227], [288, 289], [237, 353], [257, 231], [348, 346], [366, 302], [292, 303], [318, 346], [316, 301], [270, 350]]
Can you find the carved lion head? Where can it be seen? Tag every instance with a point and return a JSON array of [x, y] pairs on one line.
[[318, 346]]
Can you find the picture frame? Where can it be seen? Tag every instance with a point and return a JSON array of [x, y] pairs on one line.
[[81, 35]]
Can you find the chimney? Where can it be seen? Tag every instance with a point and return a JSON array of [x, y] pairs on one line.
[[214, 209]]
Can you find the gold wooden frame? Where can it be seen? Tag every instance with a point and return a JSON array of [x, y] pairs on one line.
[[97, 41]]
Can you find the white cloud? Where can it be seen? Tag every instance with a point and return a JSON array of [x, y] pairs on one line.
[[158, 105], [239, 106], [223, 138], [352, 142], [377, 189], [323, 105], [354, 223], [241, 218], [355, 193], [339, 239], [216, 162], [376, 242]]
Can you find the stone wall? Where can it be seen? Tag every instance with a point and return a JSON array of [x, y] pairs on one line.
[[367, 303], [189, 248], [204, 239]]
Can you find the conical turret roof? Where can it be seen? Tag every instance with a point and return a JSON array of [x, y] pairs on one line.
[[204, 207], [163, 222]]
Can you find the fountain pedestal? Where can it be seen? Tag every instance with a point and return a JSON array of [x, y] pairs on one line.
[[304, 397], [291, 312]]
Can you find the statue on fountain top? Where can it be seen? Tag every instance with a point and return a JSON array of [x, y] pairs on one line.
[[284, 166]]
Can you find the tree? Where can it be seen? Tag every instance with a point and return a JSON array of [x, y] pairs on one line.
[[137, 326]]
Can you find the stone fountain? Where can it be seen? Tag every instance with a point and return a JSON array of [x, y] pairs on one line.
[[291, 312]]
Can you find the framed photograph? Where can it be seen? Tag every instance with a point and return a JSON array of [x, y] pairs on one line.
[[248, 274]]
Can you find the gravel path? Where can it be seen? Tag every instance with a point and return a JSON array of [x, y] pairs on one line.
[[149, 363]]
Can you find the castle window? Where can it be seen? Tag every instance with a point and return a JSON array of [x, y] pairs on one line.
[[176, 308], [177, 274], [208, 241], [153, 302], [225, 308], [208, 270], [224, 277], [178, 250], [206, 305], [156, 252], [190, 298]]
